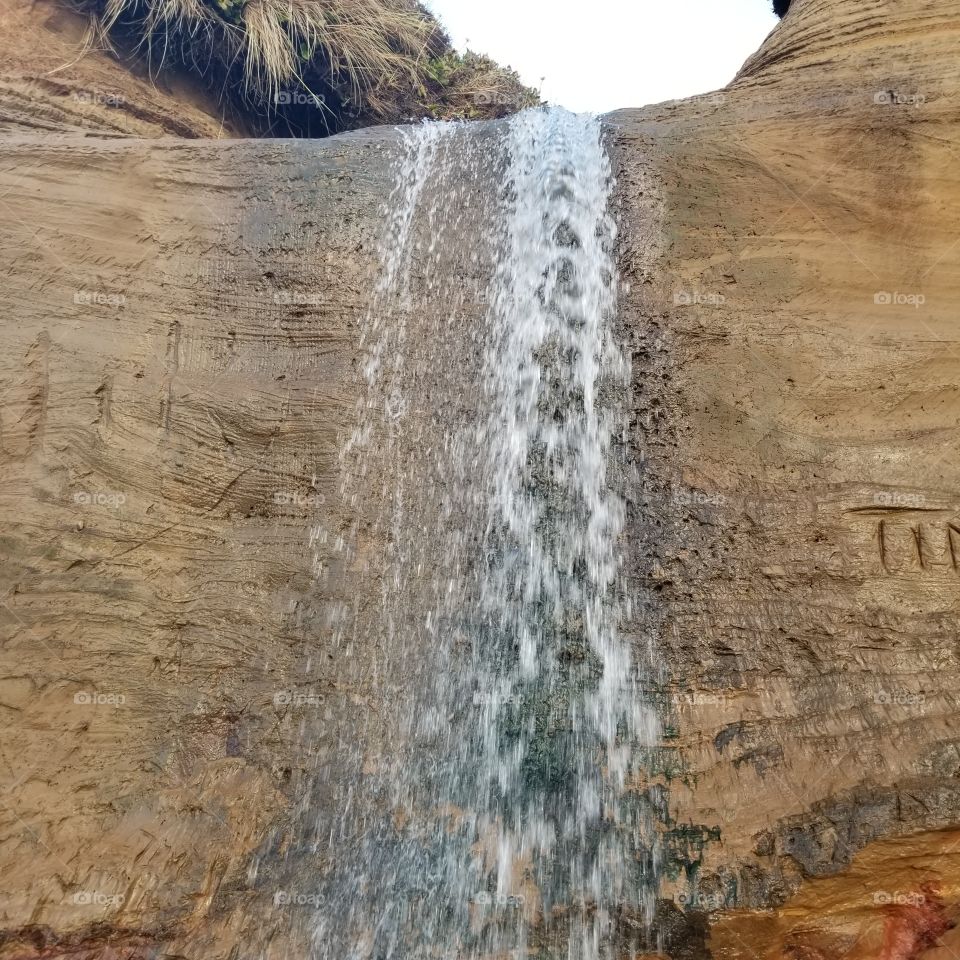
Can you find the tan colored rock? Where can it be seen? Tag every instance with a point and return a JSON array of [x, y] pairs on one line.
[[169, 434], [163, 423], [807, 447], [55, 76]]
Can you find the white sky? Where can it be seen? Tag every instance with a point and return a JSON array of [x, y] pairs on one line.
[[599, 55]]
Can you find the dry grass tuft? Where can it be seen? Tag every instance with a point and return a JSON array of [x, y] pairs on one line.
[[339, 63], [366, 41]]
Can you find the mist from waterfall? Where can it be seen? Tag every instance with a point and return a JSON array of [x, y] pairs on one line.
[[494, 811]]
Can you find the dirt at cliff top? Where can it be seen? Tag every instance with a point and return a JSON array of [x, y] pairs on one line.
[[260, 67]]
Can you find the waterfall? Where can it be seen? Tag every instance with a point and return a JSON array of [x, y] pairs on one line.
[[490, 812]]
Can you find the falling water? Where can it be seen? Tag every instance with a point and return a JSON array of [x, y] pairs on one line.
[[491, 812]]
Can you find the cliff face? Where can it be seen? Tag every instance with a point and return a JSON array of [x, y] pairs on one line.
[[180, 360], [803, 299], [53, 79]]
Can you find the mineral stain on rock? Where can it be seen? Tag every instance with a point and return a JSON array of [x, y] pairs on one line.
[[100, 941], [914, 925]]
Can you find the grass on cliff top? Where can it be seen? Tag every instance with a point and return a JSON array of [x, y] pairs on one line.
[[312, 67]]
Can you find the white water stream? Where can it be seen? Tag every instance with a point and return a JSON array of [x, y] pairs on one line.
[[490, 813]]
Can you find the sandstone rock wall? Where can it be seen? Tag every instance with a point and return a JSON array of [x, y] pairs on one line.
[[169, 432], [169, 436], [804, 299], [56, 76]]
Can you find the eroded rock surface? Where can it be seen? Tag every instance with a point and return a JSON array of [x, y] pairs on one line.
[[803, 304], [57, 76], [177, 372]]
